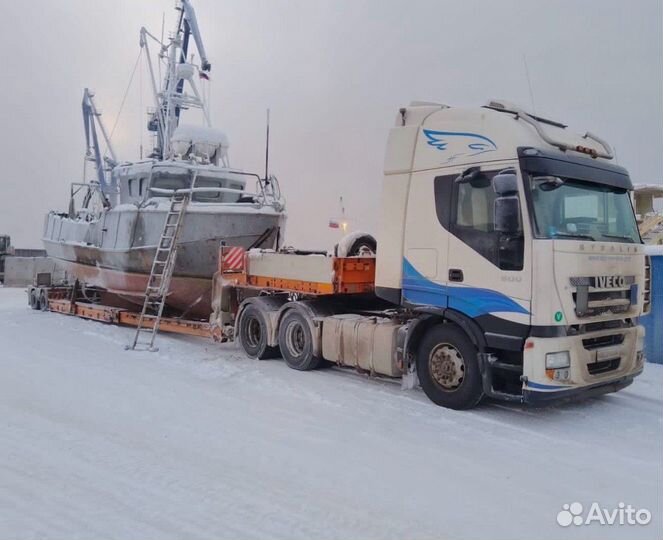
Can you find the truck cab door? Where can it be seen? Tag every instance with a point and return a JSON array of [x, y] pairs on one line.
[[426, 239], [489, 263]]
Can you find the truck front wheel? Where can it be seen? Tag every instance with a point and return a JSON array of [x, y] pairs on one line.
[[296, 342], [253, 334], [448, 368]]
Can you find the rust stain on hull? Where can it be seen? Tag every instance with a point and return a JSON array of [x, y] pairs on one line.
[[190, 295]]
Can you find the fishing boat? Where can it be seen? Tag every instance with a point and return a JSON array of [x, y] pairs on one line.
[[108, 237]]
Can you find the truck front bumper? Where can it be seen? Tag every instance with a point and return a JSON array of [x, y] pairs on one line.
[[534, 397], [599, 362]]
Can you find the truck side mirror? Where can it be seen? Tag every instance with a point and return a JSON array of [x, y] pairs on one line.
[[506, 211], [507, 215], [505, 183]]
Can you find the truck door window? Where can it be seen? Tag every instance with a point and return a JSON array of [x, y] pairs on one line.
[[472, 221]]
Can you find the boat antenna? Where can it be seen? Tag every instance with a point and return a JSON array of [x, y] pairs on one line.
[[529, 84], [267, 150]]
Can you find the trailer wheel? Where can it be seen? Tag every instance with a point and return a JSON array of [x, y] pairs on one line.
[[253, 334], [296, 342], [33, 299], [448, 368], [43, 300]]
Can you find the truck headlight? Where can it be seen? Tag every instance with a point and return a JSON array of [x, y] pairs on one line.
[[556, 360]]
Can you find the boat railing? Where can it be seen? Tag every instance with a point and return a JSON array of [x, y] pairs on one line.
[[89, 189], [170, 192]]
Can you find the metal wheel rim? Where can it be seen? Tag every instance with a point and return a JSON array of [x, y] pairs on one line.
[[447, 367], [365, 250], [253, 332], [295, 338]]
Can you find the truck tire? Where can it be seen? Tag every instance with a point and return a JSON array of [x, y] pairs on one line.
[[253, 334], [43, 300], [296, 342], [448, 368], [33, 298]]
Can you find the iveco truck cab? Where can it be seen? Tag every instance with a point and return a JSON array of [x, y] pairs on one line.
[[520, 237], [508, 265]]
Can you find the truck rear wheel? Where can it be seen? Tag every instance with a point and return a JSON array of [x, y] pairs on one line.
[[253, 334], [43, 300], [448, 368], [296, 342], [33, 298]]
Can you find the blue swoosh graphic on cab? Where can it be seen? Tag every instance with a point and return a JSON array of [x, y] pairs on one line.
[[472, 301]]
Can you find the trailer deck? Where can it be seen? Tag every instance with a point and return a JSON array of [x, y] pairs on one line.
[[313, 274]]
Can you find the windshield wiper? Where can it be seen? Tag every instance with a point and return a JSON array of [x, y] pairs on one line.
[[618, 236], [574, 235]]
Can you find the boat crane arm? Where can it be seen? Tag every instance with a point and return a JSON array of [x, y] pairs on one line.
[[144, 33], [92, 119], [190, 15], [90, 112]]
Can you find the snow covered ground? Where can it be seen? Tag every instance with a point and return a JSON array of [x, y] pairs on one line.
[[197, 441]]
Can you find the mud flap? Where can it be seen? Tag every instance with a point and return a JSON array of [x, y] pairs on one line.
[[410, 380]]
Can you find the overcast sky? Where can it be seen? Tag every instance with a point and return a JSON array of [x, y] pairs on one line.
[[334, 74]]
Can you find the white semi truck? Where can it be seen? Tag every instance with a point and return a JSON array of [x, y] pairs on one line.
[[508, 265]]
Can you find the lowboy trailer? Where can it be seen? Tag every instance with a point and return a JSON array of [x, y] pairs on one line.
[[67, 299]]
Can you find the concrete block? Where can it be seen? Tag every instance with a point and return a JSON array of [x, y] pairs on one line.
[[22, 271]]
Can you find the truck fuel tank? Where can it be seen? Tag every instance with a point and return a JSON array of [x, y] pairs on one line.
[[367, 343]]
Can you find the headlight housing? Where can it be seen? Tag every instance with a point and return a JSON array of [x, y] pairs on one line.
[[557, 360]]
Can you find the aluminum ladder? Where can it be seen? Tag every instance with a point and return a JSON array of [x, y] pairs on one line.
[[163, 266]]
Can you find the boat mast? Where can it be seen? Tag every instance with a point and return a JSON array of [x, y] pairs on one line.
[[171, 99]]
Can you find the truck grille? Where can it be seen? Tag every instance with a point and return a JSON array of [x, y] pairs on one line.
[[604, 366], [603, 341], [591, 301]]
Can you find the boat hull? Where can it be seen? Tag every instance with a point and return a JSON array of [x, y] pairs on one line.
[[115, 252], [189, 296]]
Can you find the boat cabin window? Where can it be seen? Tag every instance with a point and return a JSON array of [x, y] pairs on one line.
[[219, 196], [181, 182], [137, 186]]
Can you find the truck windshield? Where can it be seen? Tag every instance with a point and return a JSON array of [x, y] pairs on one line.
[[568, 208]]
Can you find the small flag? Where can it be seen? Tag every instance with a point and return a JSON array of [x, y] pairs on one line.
[[333, 224], [203, 75]]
